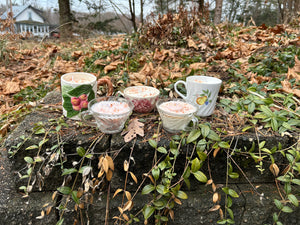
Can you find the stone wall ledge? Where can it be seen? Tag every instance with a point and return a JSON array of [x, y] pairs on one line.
[[249, 208]]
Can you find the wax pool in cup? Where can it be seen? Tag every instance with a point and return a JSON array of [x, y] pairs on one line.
[[78, 78], [177, 107], [141, 92], [111, 107]]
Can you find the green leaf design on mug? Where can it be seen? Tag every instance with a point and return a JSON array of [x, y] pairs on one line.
[[82, 89]]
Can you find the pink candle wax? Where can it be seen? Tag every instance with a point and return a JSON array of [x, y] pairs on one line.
[[177, 107], [78, 79], [111, 107], [141, 92]]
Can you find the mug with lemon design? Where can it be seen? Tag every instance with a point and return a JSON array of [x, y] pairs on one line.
[[201, 91]]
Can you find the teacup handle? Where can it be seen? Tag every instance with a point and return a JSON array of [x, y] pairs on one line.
[[107, 81], [178, 92], [85, 115]]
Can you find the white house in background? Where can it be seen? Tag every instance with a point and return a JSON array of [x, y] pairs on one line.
[[28, 19]]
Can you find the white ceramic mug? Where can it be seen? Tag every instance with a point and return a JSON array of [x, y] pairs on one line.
[[78, 89], [202, 92]]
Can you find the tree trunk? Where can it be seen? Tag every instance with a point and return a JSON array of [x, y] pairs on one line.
[[142, 11], [132, 13], [218, 11], [65, 19], [201, 6]]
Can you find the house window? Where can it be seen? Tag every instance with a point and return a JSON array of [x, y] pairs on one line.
[[29, 16]]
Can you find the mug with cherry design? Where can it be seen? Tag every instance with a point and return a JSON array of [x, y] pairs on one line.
[[142, 97], [78, 89]]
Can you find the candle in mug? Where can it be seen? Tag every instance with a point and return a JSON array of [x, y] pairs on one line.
[[111, 107], [177, 107]]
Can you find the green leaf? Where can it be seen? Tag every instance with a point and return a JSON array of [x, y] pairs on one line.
[[224, 144], [293, 199], [40, 131], [152, 143], [74, 197], [60, 222], [247, 128], [66, 88], [69, 171], [233, 193], [278, 204], [80, 151], [155, 173], [230, 212], [287, 209], [223, 221], [161, 189], [148, 211], [200, 176], [182, 195], [64, 190], [267, 111], [162, 150], [82, 89], [296, 181], [274, 124], [193, 136], [251, 107], [42, 142], [229, 201], [195, 165], [204, 130], [234, 175], [28, 160], [147, 189], [275, 217], [32, 147], [213, 136]]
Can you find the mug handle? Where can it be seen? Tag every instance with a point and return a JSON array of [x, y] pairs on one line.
[[86, 116], [178, 92], [106, 80]]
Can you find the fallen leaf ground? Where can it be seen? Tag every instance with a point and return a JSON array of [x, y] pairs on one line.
[[30, 69]]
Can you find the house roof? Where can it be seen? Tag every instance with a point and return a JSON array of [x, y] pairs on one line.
[[17, 10]]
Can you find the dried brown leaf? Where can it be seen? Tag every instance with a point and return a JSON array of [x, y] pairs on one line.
[[117, 192], [125, 217], [216, 197], [274, 169], [128, 195], [109, 175], [126, 165], [128, 205], [101, 172], [134, 128], [105, 165], [210, 181], [110, 162], [214, 208], [133, 177], [176, 200]]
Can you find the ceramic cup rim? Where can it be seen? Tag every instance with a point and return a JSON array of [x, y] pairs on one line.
[[110, 98], [212, 80], [141, 97], [160, 101], [79, 73]]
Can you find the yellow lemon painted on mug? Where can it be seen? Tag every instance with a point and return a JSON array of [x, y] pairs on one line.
[[201, 100]]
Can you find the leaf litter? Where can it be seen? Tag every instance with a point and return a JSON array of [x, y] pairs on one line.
[[26, 63]]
